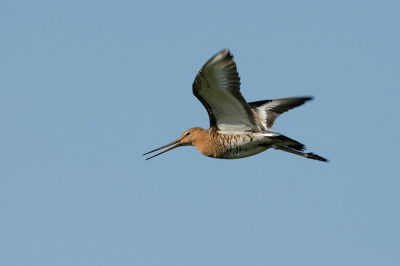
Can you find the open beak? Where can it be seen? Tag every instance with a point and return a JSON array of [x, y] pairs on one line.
[[173, 147]]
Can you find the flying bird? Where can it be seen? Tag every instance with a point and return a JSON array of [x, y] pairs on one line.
[[238, 129]]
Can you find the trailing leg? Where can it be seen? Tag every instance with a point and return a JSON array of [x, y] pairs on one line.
[[309, 155]]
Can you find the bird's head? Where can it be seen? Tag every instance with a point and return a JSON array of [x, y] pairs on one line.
[[188, 138]]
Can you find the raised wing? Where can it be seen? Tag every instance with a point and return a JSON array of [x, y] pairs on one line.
[[265, 112], [217, 86]]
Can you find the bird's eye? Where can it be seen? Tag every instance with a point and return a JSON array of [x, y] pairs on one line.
[[187, 133]]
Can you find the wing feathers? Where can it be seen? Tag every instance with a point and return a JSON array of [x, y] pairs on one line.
[[217, 86], [267, 111]]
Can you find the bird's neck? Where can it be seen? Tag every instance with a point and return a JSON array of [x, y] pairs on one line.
[[206, 142]]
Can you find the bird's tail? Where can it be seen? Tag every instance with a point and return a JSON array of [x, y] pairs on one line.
[[284, 141], [309, 155]]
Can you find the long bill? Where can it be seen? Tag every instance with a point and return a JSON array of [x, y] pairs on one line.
[[173, 147]]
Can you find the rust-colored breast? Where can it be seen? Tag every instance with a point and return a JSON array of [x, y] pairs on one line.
[[216, 145]]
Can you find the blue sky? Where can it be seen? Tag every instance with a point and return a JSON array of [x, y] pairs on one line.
[[88, 87]]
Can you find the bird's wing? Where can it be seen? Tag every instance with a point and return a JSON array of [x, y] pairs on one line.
[[217, 86], [265, 112]]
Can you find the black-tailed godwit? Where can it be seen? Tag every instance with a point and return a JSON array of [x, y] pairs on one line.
[[237, 129]]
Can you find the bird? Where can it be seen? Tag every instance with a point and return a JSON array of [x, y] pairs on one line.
[[238, 129]]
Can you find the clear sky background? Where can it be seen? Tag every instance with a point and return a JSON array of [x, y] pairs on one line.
[[87, 87]]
